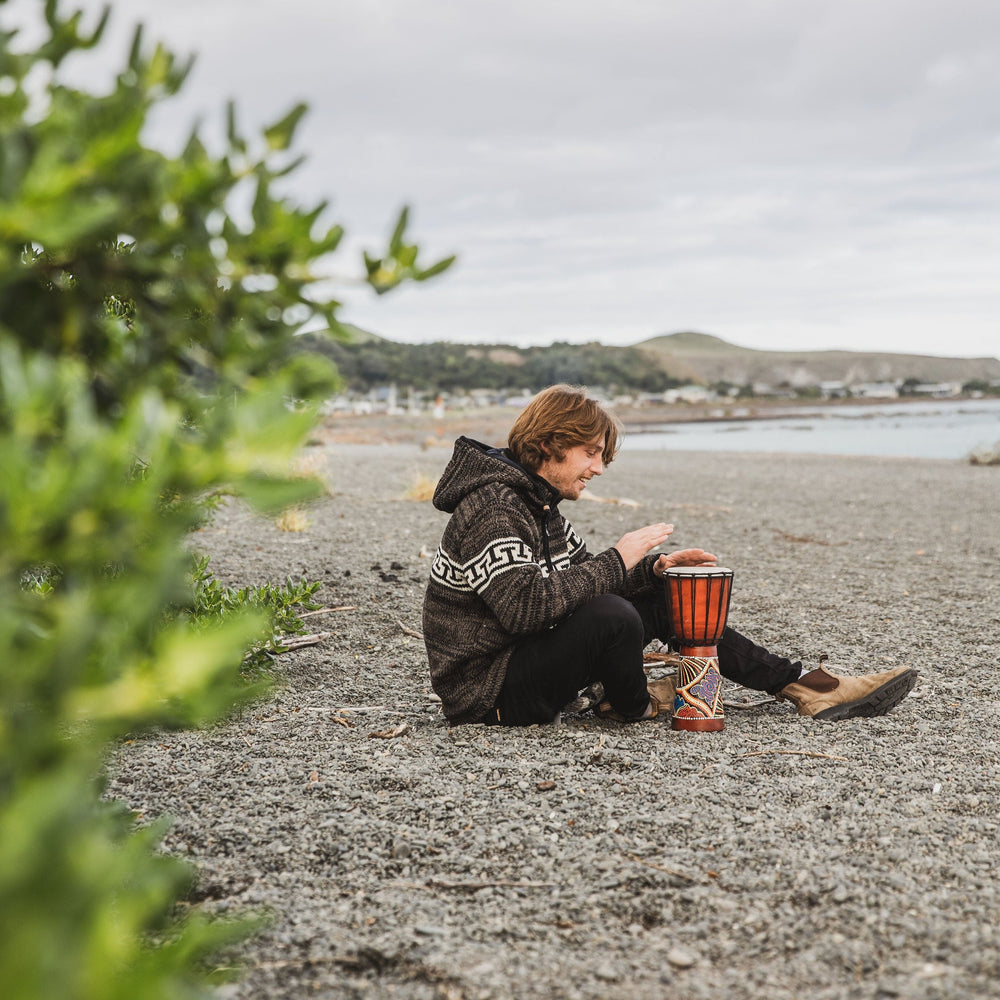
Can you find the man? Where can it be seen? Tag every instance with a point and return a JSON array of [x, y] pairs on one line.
[[519, 617]]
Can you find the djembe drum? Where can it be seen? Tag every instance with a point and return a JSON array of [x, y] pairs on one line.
[[698, 603]]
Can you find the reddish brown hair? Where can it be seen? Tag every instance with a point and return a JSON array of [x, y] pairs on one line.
[[558, 418]]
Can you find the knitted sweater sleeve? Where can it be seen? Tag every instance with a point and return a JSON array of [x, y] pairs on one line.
[[498, 551]]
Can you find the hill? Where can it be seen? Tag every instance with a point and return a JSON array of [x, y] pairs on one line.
[[708, 359], [367, 361]]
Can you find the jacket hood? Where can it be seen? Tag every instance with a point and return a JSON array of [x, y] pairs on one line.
[[474, 465]]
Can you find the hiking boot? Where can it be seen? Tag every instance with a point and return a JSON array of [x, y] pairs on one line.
[[826, 696], [661, 702], [663, 690]]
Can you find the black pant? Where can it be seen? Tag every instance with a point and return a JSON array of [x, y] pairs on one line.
[[603, 641]]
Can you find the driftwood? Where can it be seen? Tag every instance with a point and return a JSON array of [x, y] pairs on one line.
[[804, 539], [785, 753], [697, 508], [328, 611], [728, 703], [390, 734], [656, 660], [621, 501], [438, 883], [659, 868], [409, 631], [286, 643], [290, 642]]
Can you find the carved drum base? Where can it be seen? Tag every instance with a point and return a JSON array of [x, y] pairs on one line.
[[698, 699]]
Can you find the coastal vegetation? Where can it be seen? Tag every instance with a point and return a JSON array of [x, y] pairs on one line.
[[448, 367], [147, 307]]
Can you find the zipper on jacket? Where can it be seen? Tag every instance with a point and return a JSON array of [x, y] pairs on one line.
[[545, 538]]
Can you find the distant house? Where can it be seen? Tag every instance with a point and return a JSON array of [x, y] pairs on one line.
[[649, 398], [875, 390], [937, 390], [384, 398], [688, 394], [833, 390]]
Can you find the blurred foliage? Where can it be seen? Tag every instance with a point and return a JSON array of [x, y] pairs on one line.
[[981, 387], [147, 308], [449, 367]]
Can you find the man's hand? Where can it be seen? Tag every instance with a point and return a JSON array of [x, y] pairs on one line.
[[684, 557], [633, 546]]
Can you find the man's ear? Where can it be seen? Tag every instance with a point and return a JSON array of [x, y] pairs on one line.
[[546, 450]]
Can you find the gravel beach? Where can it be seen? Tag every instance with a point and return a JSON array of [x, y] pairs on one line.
[[781, 858]]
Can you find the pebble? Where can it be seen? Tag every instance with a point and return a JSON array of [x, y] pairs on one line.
[[681, 958], [607, 973]]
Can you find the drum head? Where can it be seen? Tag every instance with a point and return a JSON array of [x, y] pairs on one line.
[[697, 571]]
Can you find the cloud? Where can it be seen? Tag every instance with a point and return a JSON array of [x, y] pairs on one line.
[[777, 172]]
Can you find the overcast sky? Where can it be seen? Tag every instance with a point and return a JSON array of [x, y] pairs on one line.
[[781, 173]]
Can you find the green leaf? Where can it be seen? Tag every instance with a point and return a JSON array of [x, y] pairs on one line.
[[271, 496], [236, 141], [440, 267], [279, 135], [396, 240]]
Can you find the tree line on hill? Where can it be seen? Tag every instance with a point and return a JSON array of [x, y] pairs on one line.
[[366, 362], [447, 367]]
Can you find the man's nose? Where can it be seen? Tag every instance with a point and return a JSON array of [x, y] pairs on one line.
[[597, 465]]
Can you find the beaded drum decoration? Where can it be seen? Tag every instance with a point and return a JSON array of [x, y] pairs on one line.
[[698, 603]]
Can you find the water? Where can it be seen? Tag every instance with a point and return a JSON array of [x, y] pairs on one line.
[[931, 429]]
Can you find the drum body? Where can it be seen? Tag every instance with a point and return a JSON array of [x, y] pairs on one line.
[[698, 603]]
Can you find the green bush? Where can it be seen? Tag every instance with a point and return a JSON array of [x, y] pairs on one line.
[[212, 604], [145, 363]]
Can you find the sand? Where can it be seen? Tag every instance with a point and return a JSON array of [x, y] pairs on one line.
[[781, 858]]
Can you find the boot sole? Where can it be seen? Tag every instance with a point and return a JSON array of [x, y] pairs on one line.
[[879, 702]]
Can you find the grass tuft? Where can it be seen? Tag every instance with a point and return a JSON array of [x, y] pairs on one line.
[[292, 519], [421, 487]]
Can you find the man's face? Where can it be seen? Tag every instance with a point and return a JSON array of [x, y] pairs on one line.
[[570, 474]]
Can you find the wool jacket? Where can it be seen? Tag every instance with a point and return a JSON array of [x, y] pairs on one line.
[[509, 566]]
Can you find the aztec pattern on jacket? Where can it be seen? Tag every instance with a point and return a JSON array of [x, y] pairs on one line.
[[509, 565]]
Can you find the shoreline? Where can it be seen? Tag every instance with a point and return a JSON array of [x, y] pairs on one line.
[[491, 424]]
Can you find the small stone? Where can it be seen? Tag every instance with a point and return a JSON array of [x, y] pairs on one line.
[[429, 930], [680, 958], [607, 973]]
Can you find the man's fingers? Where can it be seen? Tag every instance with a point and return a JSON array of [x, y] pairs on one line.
[[693, 557], [636, 544]]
